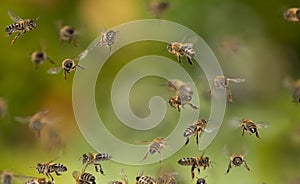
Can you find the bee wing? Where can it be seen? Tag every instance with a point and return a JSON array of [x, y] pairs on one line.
[[54, 70], [227, 151], [262, 124], [22, 119], [235, 123], [52, 120], [14, 16], [236, 80], [81, 55]]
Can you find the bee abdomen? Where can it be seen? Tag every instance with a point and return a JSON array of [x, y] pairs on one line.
[[186, 161], [87, 177], [154, 148], [189, 131], [58, 168], [146, 180], [103, 156]]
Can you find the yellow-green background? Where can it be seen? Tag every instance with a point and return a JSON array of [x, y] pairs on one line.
[[268, 52]]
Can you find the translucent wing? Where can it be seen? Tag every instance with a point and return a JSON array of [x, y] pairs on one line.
[[235, 123], [237, 80], [262, 124], [22, 119], [14, 16], [81, 55], [189, 45], [54, 70]]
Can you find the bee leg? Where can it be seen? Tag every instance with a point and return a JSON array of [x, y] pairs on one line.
[[257, 135], [193, 106], [50, 60], [101, 169], [229, 95], [65, 75], [192, 171], [197, 140], [198, 170], [187, 141], [229, 167], [15, 38], [247, 167], [145, 156], [179, 59], [75, 41], [243, 131], [189, 60], [109, 50], [57, 173]]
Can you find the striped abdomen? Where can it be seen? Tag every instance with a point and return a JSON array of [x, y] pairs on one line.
[[86, 178], [145, 180], [187, 161], [190, 131]]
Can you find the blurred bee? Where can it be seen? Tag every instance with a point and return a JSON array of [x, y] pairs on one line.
[[39, 181], [68, 33], [123, 174], [196, 129], [180, 88], [8, 177], [182, 49], [39, 57], [142, 179], [196, 163], [156, 146], [95, 159], [3, 108], [83, 178], [167, 178], [68, 65], [236, 160], [181, 100], [222, 82], [20, 26], [157, 8], [250, 126], [49, 167], [292, 15], [37, 121], [107, 39]]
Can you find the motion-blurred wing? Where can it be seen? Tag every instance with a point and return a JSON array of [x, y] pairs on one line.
[[237, 80], [262, 124], [14, 16], [54, 70], [22, 119]]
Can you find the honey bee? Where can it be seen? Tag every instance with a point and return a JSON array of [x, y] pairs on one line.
[[167, 178], [68, 65], [3, 108], [142, 179], [83, 178], [182, 49], [251, 127], [49, 167], [95, 159], [156, 146], [39, 181], [37, 121], [7, 177], [68, 33], [180, 88], [236, 160], [222, 82], [178, 101], [196, 129], [196, 163], [20, 25], [107, 39], [292, 15], [201, 181], [123, 174], [39, 57], [157, 8]]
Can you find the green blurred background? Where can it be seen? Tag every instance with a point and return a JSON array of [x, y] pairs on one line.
[[250, 39]]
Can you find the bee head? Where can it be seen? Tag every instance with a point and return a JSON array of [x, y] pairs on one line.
[[32, 23], [85, 158]]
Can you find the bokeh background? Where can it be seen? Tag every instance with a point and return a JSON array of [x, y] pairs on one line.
[[250, 39]]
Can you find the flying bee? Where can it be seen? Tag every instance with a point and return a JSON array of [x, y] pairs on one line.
[[95, 159], [107, 39], [157, 8], [178, 101], [236, 160], [250, 126], [8, 177], [180, 88], [182, 49], [292, 15], [39, 181], [196, 129], [37, 121], [167, 178], [142, 179], [39, 57], [69, 65], [20, 26], [196, 163], [49, 167], [222, 82], [68, 33], [156, 146], [125, 178], [83, 178]]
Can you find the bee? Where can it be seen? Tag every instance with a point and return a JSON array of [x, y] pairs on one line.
[[295, 86], [39, 181], [95, 159], [180, 88], [69, 65], [142, 179], [222, 82], [7, 177], [157, 8], [49, 167], [156, 146], [292, 15], [236, 160], [182, 49], [251, 127], [181, 100], [123, 174], [196, 129], [167, 178], [3, 107], [201, 181], [107, 39], [39, 57], [36, 122], [83, 178], [68, 33], [196, 163]]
